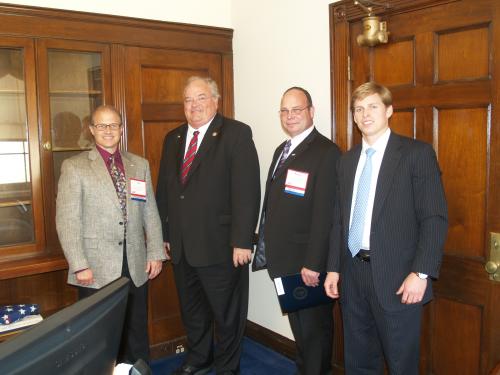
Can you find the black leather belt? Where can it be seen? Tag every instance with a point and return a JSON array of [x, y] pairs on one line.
[[363, 255]]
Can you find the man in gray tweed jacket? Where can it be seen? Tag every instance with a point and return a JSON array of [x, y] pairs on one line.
[[108, 225]]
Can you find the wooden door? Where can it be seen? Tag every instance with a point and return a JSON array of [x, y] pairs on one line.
[[442, 65], [155, 80]]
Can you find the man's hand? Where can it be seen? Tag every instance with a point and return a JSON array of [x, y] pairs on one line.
[[153, 268], [309, 277], [332, 284], [412, 289], [241, 256], [85, 277], [166, 248]]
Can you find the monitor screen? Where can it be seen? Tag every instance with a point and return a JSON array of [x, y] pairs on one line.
[[83, 338]]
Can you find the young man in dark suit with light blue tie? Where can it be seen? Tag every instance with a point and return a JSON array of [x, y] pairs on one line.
[[296, 221], [390, 225]]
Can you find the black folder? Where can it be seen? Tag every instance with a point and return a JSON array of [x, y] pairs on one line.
[[294, 295]]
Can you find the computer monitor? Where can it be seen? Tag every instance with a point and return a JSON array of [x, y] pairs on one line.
[[83, 338]]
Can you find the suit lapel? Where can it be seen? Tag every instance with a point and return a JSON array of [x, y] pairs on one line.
[[130, 171], [211, 136], [390, 162], [181, 146], [103, 177], [351, 164]]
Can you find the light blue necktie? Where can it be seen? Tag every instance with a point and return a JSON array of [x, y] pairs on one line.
[[358, 215]]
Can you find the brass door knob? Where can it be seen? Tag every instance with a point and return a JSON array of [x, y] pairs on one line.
[[47, 146], [491, 267]]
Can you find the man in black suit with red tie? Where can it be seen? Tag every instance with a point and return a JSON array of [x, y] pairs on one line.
[[208, 196], [296, 220], [390, 225]]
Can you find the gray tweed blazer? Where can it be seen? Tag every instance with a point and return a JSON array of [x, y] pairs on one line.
[[90, 224]]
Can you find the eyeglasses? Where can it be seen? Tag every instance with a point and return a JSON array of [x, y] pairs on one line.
[[103, 127], [200, 98], [294, 111]]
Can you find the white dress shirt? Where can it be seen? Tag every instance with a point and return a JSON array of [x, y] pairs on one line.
[[295, 141], [202, 129], [379, 146]]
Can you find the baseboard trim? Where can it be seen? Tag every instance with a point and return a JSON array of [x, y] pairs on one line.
[[273, 340]]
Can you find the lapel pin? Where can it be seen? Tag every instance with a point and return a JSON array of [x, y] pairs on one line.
[[178, 135], [214, 134]]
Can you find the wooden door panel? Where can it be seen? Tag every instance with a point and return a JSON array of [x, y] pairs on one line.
[[402, 51], [456, 347], [462, 153], [154, 102], [443, 69], [403, 122], [463, 54]]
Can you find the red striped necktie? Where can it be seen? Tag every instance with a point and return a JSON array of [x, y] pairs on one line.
[[189, 157]]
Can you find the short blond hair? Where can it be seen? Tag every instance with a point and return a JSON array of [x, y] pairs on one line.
[[370, 88]]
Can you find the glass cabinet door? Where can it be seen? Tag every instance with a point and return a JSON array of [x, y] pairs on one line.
[[74, 83], [16, 214]]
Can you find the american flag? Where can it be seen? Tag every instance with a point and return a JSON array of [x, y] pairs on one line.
[[12, 313]]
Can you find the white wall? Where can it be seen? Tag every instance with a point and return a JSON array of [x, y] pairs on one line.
[[277, 44], [202, 12]]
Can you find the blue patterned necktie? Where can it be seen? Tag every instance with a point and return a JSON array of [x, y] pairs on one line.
[[284, 155], [358, 215], [120, 185]]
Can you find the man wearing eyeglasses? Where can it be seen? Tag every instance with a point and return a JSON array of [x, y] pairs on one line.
[[295, 223], [108, 225], [208, 197]]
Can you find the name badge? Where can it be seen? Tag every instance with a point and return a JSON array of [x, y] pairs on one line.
[[296, 182], [138, 190]]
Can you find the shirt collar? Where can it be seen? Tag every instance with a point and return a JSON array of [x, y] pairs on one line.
[[380, 144], [297, 140], [202, 129], [106, 155]]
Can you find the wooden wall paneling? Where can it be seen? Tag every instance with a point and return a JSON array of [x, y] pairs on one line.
[[403, 122]]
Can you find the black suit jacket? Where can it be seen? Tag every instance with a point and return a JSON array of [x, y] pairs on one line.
[[296, 228], [217, 208], [409, 220]]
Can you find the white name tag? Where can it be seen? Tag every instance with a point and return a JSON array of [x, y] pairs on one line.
[[279, 286], [296, 182], [138, 189]]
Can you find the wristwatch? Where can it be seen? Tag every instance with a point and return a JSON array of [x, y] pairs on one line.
[[420, 275]]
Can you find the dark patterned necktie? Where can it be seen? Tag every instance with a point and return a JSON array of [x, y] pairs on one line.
[[188, 159], [120, 183], [284, 155]]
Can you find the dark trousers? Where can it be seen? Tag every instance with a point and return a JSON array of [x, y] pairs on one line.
[[213, 297], [313, 332], [135, 340], [372, 333]]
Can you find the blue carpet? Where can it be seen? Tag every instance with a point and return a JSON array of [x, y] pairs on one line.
[[255, 360]]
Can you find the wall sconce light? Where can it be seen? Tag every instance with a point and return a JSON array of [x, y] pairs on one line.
[[374, 31]]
